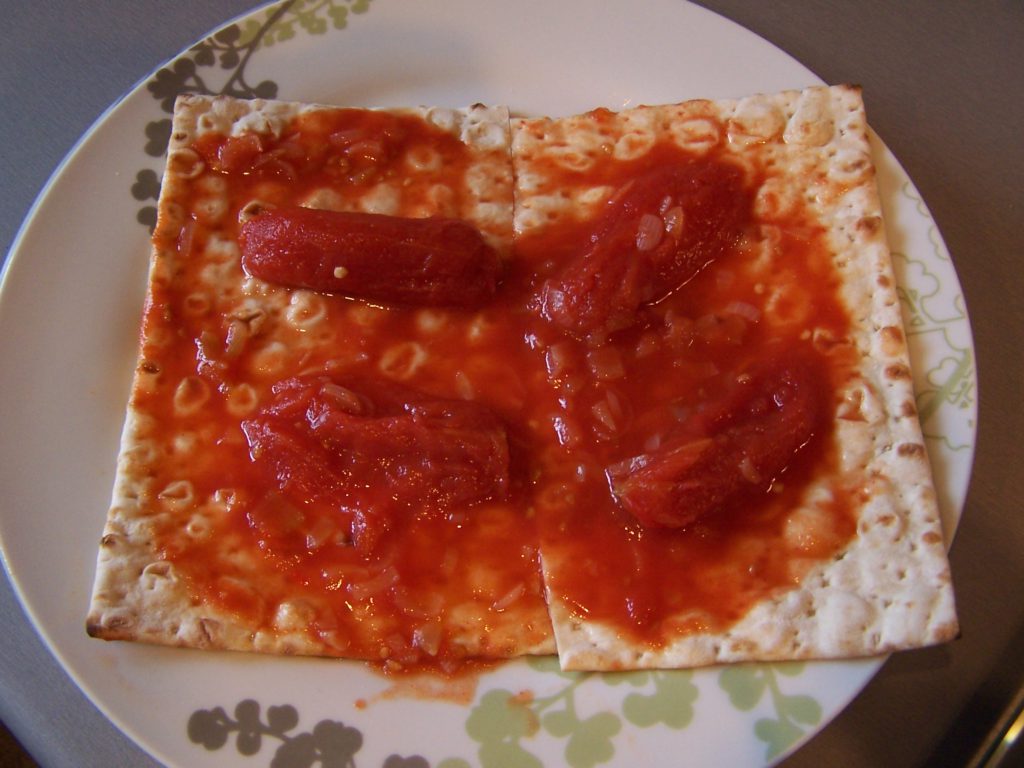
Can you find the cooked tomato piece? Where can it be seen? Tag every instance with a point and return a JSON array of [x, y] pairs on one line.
[[734, 448], [237, 153], [433, 261], [366, 449], [656, 233]]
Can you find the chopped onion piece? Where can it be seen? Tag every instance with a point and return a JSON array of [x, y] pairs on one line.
[[653, 442], [509, 597], [724, 278], [323, 531], [343, 397], [618, 409], [602, 411], [364, 590], [427, 638], [749, 471], [649, 232], [565, 430], [235, 339], [606, 363], [674, 221], [558, 359], [647, 344], [744, 309]]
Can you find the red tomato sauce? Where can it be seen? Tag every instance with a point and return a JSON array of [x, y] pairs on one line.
[[643, 382], [397, 597], [571, 408]]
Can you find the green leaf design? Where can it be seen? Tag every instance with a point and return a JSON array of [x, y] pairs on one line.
[[339, 16], [951, 382], [228, 35], [248, 31], [591, 742], [561, 723], [802, 709], [637, 678], [544, 663], [283, 32], [671, 703], [915, 285], [507, 754], [397, 761], [502, 722], [746, 686], [146, 186], [777, 734], [157, 134], [330, 743], [789, 668], [927, 301], [209, 727], [498, 717], [549, 665], [282, 718], [313, 24], [249, 737], [146, 216]]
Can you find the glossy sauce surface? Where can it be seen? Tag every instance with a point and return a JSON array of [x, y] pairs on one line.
[[640, 387], [572, 406]]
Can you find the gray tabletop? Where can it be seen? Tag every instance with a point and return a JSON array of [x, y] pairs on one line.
[[946, 93]]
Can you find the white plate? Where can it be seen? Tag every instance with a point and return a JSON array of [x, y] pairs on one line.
[[72, 295]]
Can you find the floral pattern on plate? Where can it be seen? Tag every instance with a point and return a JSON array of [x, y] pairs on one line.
[[214, 709]]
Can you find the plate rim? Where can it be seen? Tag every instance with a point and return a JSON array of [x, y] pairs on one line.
[[17, 254]]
